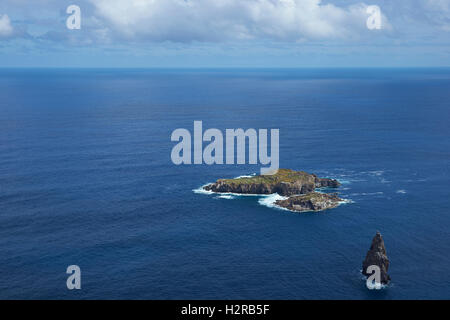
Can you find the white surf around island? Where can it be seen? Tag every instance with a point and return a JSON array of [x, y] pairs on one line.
[[201, 190], [267, 200], [373, 286], [226, 195], [270, 200]]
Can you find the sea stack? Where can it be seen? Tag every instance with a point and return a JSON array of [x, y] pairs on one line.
[[377, 256]]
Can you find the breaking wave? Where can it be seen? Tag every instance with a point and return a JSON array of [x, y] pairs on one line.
[[200, 190], [226, 196], [269, 201]]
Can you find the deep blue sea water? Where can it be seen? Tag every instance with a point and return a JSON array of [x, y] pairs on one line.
[[86, 178]]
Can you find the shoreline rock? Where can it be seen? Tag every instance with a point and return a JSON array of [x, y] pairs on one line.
[[377, 256], [313, 201]]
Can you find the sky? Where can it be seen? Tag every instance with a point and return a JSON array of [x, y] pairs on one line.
[[225, 33]]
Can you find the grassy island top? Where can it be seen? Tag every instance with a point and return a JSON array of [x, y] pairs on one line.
[[283, 175], [316, 196]]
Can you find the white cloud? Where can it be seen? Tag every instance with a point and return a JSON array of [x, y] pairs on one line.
[[217, 20], [438, 11], [5, 26]]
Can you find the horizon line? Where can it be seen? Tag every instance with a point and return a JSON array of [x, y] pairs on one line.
[[223, 68]]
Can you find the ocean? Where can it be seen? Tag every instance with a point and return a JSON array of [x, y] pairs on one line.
[[86, 179]]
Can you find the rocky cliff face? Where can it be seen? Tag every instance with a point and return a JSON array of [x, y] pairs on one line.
[[310, 202], [285, 182], [377, 256]]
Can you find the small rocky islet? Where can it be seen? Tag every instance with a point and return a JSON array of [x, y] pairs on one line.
[[298, 186], [377, 256]]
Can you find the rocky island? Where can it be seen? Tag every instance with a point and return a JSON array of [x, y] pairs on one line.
[[313, 201], [285, 182], [298, 186], [376, 256]]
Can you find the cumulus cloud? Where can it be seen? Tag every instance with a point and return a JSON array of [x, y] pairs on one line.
[[206, 20], [6, 29]]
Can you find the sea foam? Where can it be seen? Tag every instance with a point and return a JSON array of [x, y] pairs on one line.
[[201, 190], [225, 196], [269, 201]]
